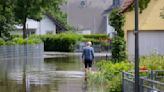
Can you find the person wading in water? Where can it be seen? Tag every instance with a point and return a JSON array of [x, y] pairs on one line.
[[88, 56]]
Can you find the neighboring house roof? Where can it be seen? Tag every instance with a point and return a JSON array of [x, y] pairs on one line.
[[57, 23], [126, 4], [123, 4], [33, 24], [88, 17]]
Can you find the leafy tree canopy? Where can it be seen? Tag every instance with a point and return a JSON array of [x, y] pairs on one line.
[[34, 9], [117, 20], [6, 17]]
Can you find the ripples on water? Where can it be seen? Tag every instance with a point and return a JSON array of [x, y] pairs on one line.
[[32, 73]]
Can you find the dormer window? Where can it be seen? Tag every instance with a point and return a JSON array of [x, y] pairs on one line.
[[83, 3]]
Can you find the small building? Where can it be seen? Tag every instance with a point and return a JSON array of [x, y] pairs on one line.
[[47, 25]]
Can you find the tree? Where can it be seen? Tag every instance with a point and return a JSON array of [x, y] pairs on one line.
[[6, 18], [118, 49], [34, 9], [117, 20]]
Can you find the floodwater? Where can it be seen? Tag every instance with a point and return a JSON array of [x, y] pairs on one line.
[[29, 74]]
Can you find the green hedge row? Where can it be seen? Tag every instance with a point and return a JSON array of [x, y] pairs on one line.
[[96, 36], [20, 41], [64, 42]]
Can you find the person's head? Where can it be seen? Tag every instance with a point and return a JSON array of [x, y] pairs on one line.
[[88, 43]]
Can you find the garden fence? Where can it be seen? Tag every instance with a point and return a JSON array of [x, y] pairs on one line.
[[21, 51], [153, 81]]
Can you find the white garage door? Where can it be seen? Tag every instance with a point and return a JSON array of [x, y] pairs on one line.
[[148, 42]]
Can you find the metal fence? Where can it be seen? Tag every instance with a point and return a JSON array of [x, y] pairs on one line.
[[150, 81], [21, 51]]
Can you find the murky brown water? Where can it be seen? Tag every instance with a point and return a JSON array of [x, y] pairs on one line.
[[29, 74]]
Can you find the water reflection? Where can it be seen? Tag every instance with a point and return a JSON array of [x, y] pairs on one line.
[[35, 74]]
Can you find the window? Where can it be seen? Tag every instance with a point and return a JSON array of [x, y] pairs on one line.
[[83, 3]]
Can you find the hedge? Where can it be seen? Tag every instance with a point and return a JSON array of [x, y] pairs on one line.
[[63, 42], [19, 40], [96, 36]]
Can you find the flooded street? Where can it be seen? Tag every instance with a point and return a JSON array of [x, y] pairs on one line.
[[29, 74]]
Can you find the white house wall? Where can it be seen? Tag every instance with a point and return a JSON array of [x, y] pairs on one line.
[[149, 41], [46, 25], [31, 24]]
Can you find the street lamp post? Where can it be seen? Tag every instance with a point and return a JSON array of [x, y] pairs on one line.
[[136, 89]]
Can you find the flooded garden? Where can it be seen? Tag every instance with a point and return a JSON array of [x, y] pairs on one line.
[[27, 71]]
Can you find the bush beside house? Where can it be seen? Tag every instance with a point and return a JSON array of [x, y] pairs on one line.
[[63, 42], [20, 41]]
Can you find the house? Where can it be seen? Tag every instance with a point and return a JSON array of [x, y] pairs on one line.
[[89, 16], [47, 25], [151, 30]]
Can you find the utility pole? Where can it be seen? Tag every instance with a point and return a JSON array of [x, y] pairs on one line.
[[136, 89]]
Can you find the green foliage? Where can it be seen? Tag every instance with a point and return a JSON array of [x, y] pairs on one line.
[[34, 9], [143, 4], [61, 18], [118, 49], [96, 38], [16, 40], [6, 18], [19, 40], [61, 42], [153, 62], [109, 75], [2, 42], [33, 41], [117, 20], [10, 43]]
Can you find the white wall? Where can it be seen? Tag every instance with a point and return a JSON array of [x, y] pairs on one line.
[[148, 42], [42, 27], [46, 25], [109, 29], [84, 32]]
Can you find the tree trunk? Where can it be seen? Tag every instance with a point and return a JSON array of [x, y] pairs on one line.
[[0, 33], [24, 29]]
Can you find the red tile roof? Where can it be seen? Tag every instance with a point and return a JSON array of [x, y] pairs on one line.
[[126, 4]]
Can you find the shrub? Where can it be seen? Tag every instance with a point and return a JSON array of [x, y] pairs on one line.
[[97, 39], [33, 39], [96, 36], [152, 62], [109, 75], [61, 42], [2, 42], [117, 20], [118, 49], [19, 40], [10, 43]]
